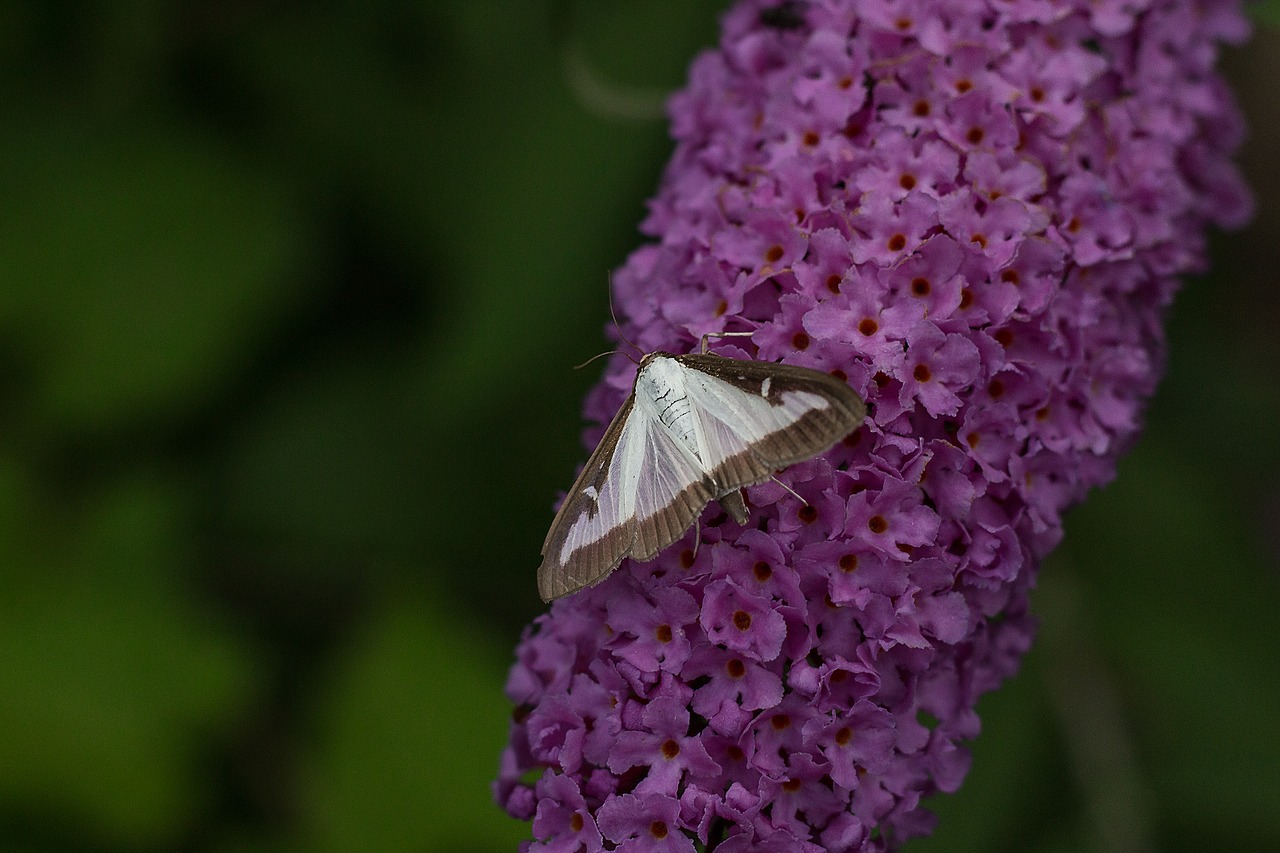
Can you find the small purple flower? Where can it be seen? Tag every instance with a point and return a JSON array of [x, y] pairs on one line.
[[975, 213], [654, 636], [886, 231], [732, 688], [644, 823], [664, 745], [563, 818], [741, 621], [903, 165]]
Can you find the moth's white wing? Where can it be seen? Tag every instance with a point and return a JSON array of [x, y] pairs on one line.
[[639, 492], [615, 496], [673, 489], [731, 420], [595, 526], [754, 417]]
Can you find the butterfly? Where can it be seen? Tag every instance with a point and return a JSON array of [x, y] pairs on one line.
[[695, 429]]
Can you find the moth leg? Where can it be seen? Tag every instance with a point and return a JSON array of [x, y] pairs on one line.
[[723, 335], [793, 492]]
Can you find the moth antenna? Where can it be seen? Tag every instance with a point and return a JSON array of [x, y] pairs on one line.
[[618, 328], [789, 489], [602, 355], [722, 335]]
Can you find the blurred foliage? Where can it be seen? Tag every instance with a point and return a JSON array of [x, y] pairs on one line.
[[1266, 11], [290, 296]]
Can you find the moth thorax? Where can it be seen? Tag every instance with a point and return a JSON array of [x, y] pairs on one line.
[[661, 388]]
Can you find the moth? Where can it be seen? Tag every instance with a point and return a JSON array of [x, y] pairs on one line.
[[696, 428]]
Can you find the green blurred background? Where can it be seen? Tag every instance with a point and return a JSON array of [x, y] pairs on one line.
[[289, 296]]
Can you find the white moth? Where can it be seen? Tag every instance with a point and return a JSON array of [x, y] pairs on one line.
[[696, 428]]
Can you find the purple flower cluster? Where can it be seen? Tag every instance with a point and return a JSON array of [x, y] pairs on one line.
[[974, 211]]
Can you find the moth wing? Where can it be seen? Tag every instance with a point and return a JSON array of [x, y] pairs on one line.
[[754, 417], [674, 489], [595, 525]]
